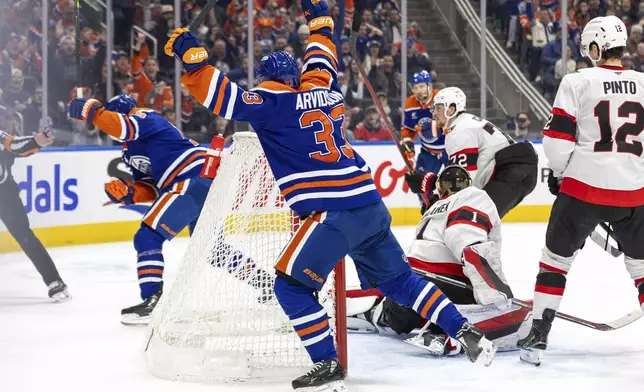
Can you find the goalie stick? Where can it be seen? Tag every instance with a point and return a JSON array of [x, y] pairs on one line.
[[621, 322], [355, 28]]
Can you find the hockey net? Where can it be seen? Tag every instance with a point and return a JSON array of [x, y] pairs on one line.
[[219, 320]]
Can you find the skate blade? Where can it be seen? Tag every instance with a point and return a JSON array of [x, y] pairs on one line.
[[335, 386], [61, 297], [129, 320], [419, 342], [488, 350], [531, 356]]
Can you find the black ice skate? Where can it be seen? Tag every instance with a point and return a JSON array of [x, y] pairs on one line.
[[324, 376], [140, 314], [533, 345], [476, 346], [58, 291]]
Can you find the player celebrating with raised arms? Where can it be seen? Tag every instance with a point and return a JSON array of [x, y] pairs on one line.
[[506, 170], [298, 120], [593, 141], [166, 168]]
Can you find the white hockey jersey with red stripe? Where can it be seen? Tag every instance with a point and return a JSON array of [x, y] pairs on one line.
[[450, 225], [594, 140], [471, 142]]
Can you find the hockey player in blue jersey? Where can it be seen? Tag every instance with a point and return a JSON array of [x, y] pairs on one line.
[[298, 119], [417, 119], [166, 168]]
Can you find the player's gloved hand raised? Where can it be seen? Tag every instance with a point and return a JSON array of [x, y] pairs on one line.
[[408, 148], [119, 191], [318, 16], [84, 109], [421, 182], [553, 183], [187, 47]]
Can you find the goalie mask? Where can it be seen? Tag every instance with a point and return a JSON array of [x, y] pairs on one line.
[[452, 179]]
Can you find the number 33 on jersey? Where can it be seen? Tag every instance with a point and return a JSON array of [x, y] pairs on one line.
[[593, 139], [300, 130]]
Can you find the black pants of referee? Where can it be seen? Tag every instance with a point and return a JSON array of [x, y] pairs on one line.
[[14, 217]]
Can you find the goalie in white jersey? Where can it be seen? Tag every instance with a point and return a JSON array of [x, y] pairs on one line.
[[593, 142], [506, 170], [459, 237]]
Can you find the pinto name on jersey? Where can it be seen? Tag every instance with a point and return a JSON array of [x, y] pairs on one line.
[[317, 98], [620, 87]]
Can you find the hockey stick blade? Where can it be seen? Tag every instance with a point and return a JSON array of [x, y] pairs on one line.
[[621, 322]]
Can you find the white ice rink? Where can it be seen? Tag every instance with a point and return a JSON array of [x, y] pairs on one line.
[[81, 345]]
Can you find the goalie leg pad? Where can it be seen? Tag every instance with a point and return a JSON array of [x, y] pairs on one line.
[[482, 265], [149, 264], [412, 291], [308, 317]]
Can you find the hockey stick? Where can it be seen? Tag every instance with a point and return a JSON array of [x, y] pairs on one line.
[[203, 14], [402, 148], [79, 73], [603, 241], [621, 322]]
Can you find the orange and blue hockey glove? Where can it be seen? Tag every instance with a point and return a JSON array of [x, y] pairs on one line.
[[119, 191], [187, 47], [84, 109], [408, 148], [318, 16]]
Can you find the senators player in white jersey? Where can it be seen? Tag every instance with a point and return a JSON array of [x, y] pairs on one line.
[[460, 237], [593, 142], [506, 170]]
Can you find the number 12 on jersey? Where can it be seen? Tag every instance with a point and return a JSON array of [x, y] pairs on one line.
[[325, 136], [605, 144]]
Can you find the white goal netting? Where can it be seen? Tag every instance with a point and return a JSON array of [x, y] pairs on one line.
[[220, 320]]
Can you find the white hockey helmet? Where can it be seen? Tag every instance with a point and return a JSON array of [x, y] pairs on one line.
[[451, 96], [606, 31]]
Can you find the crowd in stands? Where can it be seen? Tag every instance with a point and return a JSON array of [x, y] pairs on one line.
[[533, 30], [140, 68]]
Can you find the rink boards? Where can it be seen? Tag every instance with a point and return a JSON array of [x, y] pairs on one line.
[[62, 190]]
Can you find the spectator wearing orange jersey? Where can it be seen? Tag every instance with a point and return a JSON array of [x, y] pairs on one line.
[[150, 91]]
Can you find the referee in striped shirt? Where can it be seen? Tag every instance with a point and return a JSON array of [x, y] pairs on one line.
[[12, 212]]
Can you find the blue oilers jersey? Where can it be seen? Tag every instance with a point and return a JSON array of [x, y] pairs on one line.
[[300, 130], [415, 117], [156, 151]]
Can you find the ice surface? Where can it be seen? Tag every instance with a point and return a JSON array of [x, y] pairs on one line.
[[81, 346]]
